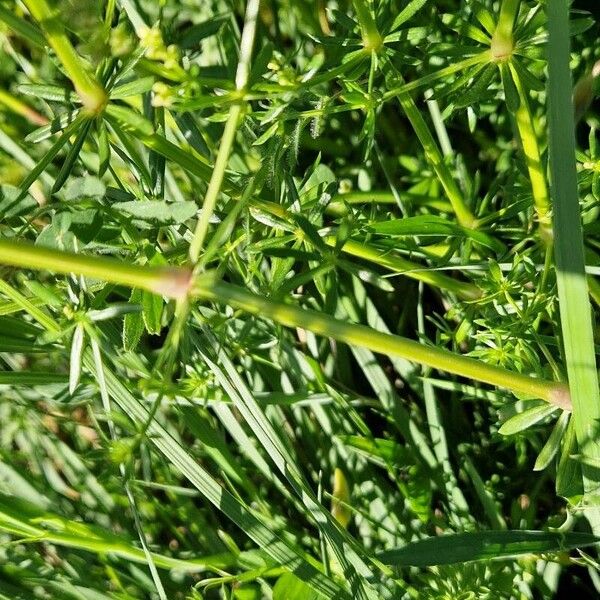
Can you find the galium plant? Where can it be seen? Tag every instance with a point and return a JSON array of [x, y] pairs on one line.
[[295, 299]]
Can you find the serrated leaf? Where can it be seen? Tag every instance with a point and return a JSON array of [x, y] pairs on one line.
[[530, 81], [55, 126], [53, 93], [152, 306], [130, 120], [569, 483], [431, 225], [407, 13], [72, 155], [103, 148], [478, 88], [51, 153]]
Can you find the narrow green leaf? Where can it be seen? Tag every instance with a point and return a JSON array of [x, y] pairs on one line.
[[72, 155], [432, 225], [152, 307], [15, 378], [133, 323], [254, 526], [511, 93], [290, 587], [75, 360], [527, 418], [51, 153], [484, 545], [132, 88], [130, 120], [573, 293], [103, 148], [552, 445], [407, 13], [568, 473]]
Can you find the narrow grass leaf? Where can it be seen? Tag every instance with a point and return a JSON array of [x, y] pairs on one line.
[[484, 545], [552, 445], [527, 418], [573, 294]]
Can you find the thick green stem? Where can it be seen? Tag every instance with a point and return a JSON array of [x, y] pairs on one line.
[[172, 282], [216, 181], [533, 159], [176, 283], [384, 343], [502, 48], [371, 37], [92, 94]]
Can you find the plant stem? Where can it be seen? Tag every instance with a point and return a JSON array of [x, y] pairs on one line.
[[434, 156], [384, 343], [176, 283], [427, 80], [195, 166], [371, 37], [502, 47], [19, 107], [575, 309], [533, 159], [172, 282], [231, 126], [92, 94], [398, 264]]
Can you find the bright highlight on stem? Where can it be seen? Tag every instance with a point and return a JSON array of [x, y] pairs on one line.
[[177, 283]]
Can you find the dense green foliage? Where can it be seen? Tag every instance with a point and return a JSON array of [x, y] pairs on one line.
[[290, 294]]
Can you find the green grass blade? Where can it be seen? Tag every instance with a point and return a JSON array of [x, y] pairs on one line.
[[484, 545], [575, 309]]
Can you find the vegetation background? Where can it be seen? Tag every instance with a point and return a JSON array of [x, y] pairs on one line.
[[292, 291]]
